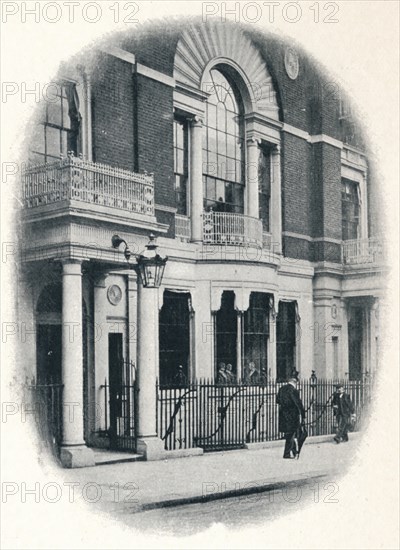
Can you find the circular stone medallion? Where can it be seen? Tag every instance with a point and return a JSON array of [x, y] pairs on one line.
[[114, 294], [291, 63]]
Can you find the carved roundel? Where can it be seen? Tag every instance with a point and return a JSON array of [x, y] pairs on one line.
[[291, 63], [114, 294]]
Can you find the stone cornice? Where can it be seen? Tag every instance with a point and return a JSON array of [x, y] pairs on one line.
[[317, 138], [295, 131], [154, 75], [138, 68], [163, 208], [119, 53], [323, 138]]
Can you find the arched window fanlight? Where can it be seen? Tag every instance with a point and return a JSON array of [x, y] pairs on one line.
[[223, 147]]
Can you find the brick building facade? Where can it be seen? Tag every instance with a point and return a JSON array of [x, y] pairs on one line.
[[244, 158]]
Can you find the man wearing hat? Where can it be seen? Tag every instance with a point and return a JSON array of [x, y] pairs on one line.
[[343, 411], [291, 415]]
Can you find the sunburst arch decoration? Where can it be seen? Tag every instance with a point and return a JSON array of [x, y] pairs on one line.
[[201, 47]]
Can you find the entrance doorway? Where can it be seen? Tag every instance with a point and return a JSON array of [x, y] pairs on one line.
[[121, 398], [48, 339]]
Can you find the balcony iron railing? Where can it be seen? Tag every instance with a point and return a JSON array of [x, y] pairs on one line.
[[75, 179], [362, 251], [231, 228]]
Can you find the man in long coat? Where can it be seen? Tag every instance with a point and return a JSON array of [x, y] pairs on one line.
[[343, 410], [291, 415]]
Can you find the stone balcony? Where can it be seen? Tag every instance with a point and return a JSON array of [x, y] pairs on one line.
[[363, 252], [82, 188]]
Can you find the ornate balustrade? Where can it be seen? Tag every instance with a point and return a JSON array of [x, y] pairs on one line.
[[182, 227], [75, 179], [231, 228], [363, 251]]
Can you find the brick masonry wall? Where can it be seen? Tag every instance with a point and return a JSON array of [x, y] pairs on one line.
[[154, 131], [296, 195], [112, 112]]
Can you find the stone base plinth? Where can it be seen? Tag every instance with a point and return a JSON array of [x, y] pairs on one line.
[[152, 448], [76, 457]]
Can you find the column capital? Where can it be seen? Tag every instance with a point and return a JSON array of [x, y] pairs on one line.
[[253, 140], [276, 149], [197, 121], [71, 267], [100, 280]]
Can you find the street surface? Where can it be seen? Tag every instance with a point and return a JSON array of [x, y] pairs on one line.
[[234, 513]]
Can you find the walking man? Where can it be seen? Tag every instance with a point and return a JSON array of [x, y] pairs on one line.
[[291, 415], [343, 411]]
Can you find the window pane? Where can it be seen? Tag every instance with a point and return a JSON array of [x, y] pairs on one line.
[[37, 140], [230, 169], [64, 142], [222, 167], [54, 113], [179, 161], [221, 117], [53, 141], [211, 116], [231, 145], [66, 121], [210, 188], [212, 140], [212, 167], [221, 139]]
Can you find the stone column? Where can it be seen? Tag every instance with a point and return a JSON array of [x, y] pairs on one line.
[[100, 350], [273, 313], [196, 180], [276, 208], [252, 177], [239, 348], [74, 453], [148, 442]]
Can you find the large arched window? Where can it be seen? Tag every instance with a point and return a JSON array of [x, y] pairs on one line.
[[223, 147]]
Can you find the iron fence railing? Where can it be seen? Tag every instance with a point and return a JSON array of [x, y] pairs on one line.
[[213, 416], [45, 401], [119, 402]]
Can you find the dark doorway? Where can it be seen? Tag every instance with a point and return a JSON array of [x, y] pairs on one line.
[[115, 376], [355, 335], [285, 341], [48, 354], [256, 332], [226, 333], [174, 338]]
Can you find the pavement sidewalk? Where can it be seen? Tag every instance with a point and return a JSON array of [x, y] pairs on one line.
[[137, 486]]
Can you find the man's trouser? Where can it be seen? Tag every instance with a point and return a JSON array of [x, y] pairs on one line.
[[289, 444], [343, 427]]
